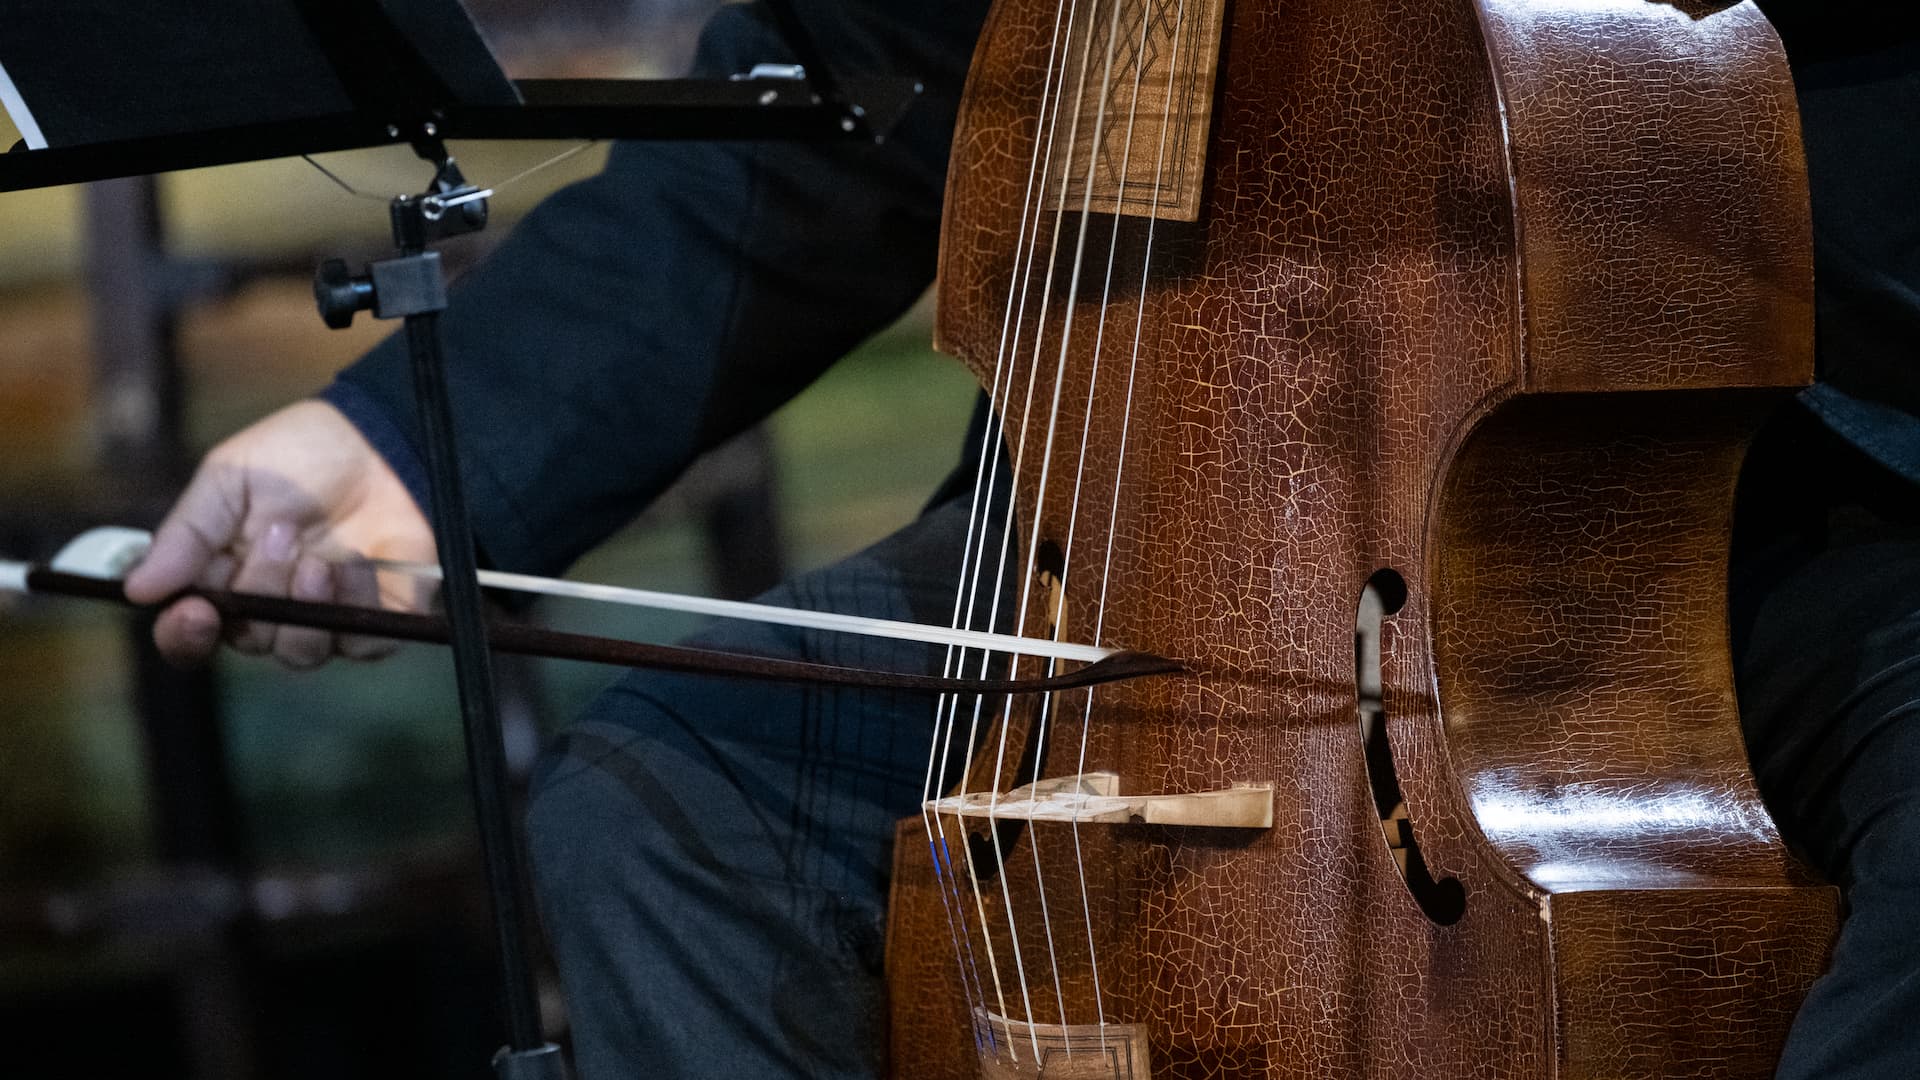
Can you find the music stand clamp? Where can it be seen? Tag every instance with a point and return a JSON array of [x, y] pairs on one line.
[[412, 287]]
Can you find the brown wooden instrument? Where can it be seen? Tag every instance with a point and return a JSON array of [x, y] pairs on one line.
[[1443, 319]]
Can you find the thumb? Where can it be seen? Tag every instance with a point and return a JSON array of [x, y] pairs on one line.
[[202, 524]]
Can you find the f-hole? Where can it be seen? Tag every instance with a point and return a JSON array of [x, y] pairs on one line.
[[1442, 901], [1050, 568]]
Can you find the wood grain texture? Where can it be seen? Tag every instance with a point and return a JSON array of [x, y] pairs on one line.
[[1490, 310]]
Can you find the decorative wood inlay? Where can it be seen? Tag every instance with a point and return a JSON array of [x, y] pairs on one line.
[[1162, 78]]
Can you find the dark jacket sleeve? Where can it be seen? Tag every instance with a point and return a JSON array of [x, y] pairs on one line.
[[1856, 73], [637, 318]]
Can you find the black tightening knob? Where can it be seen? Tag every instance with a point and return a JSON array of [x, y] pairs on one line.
[[339, 294]]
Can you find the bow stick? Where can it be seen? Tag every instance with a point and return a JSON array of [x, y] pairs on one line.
[[92, 565]]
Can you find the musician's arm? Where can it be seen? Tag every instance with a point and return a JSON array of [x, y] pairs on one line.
[[630, 322], [642, 316]]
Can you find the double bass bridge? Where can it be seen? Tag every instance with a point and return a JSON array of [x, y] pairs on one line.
[[1095, 798]]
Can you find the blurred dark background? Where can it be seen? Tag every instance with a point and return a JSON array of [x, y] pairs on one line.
[[251, 873]]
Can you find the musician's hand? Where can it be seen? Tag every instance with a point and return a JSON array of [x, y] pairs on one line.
[[292, 506]]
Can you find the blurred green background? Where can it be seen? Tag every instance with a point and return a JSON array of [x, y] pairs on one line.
[[351, 765]]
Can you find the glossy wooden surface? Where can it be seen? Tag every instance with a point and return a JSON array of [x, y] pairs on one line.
[[1487, 294]]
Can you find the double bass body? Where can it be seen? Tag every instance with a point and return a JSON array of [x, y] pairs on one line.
[[1474, 301]]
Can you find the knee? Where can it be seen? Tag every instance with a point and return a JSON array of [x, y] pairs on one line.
[[574, 809], [582, 794], [595, 806]]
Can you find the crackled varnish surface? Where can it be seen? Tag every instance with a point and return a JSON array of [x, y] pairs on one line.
[[1489, 294]]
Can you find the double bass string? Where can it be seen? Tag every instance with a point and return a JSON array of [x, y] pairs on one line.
[[1046, 462], [977, 564], [970, 584], [1045, 708], [984, 479], [1080, 471], [1126, 424], [1019, 458], [939, 748]]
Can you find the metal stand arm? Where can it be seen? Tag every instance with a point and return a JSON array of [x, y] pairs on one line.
[[411, 287]]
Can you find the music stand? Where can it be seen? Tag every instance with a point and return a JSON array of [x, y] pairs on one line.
[[225, 81]]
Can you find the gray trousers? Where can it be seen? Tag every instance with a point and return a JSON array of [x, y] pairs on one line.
[[712, 857], [1826, 623]]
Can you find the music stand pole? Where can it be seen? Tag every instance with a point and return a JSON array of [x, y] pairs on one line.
[[412, 287]]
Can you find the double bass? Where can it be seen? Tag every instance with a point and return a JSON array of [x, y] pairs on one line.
[[1388, 364]]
